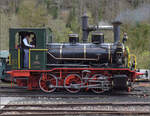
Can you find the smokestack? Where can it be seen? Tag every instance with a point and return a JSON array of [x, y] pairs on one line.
[[85, 28], [116, 29]]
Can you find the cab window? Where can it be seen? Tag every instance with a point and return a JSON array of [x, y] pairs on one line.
[[21, 35]]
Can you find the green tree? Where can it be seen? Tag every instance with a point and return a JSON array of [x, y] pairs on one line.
[[72, 21], [32, 15], [139, 42], [60, 32]]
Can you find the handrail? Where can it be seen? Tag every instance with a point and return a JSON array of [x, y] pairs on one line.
[[18, 58], [129, 58], [38, 49], [9, 59], [128, 52], [132, 55]]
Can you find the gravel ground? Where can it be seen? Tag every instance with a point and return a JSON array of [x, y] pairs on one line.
[[98, 107], [99, 98], [144, 89], [45, 100]]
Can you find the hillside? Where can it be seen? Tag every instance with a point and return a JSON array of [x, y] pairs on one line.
[[64, 16]]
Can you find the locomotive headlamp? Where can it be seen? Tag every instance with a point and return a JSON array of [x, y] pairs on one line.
[[125, 38]]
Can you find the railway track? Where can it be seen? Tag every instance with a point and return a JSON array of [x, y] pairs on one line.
[[22, 93], [113, 108], [75, 112], [60, 95], [8, 91]]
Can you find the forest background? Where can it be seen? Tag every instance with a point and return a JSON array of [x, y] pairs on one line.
[[64, 17]]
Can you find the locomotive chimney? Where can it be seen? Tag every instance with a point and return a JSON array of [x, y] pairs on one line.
[[85, 28], [116, 29]]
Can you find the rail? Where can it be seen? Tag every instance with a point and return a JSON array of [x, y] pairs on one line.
[[76, 108]]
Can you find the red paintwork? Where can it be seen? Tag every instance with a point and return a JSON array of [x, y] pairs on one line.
[[49, 78], [113, 69], [72, 79], [19, 73], [34, 75]]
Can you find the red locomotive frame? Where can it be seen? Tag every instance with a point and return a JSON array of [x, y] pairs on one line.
[[64, 77]]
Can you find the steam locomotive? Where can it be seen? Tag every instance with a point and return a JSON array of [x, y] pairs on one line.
[[95, 65]]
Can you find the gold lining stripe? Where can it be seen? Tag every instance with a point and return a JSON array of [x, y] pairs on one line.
[[128, 52], [61, 51], [72, 58], [119, 46], [118, 52], [9, 58], [109, 52], [38, 49], [111, 60], [18, 58], [85, 51], [29, 58], [123, 49]]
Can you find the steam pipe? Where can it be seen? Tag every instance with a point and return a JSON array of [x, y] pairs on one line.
[[105, 27], [85, 28], [116, 29]]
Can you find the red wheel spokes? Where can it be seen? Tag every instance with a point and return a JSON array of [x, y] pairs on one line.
[[71, 81], [48, 82]]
